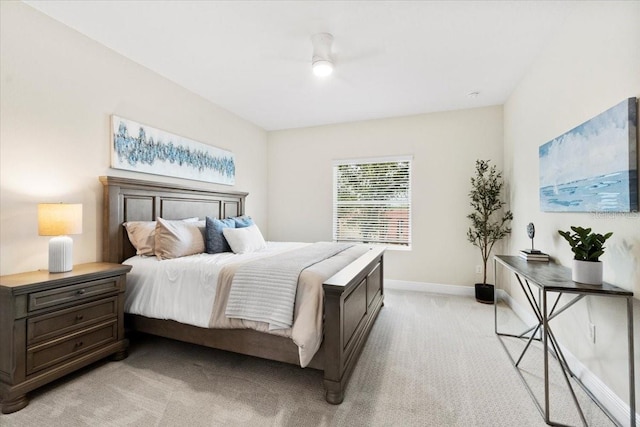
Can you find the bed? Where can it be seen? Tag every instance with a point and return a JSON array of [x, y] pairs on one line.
[[353, 296]]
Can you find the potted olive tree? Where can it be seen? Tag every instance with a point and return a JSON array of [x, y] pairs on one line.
[[488, 223], [587, 248]]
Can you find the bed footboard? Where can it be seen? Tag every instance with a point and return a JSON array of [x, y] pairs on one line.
[[353, 298]]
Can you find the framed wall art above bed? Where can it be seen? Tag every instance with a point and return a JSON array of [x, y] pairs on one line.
[[141, 148]]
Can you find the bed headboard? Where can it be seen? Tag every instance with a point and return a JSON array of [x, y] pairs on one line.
[[127, 199]]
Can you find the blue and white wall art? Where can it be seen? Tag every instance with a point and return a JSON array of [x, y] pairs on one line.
[[593, 167], [141, 148]]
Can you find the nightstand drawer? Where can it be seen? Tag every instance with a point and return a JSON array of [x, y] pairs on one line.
[[52, 297], [62, 322], [56, 351]]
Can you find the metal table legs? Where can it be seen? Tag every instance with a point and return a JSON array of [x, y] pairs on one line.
[[542, 332]]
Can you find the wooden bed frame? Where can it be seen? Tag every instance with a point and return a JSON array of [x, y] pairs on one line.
[[353, 296]]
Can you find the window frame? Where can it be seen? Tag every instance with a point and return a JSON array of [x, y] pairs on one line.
[[408, 201]]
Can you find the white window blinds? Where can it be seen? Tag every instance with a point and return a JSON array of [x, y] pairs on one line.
[[372, 201]]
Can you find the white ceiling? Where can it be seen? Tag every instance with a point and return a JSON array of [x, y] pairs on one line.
[[392, 58]]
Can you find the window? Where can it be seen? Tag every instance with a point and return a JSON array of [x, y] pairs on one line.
[[372, 201]]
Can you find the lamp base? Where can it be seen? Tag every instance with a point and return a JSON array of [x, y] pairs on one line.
[[60, 254]]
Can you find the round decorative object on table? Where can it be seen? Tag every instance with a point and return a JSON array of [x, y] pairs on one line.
[[531, 230]]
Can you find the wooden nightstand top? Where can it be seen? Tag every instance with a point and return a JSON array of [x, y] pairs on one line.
[[35, 279]]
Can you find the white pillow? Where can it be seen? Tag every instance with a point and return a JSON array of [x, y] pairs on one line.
[[244, 240]]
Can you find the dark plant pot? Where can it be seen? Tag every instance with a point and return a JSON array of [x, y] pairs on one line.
[[484, 293]]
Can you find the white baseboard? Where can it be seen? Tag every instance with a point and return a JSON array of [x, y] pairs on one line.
[[614, 404], [403, 285]]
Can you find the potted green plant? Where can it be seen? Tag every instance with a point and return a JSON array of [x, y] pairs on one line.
[[488, 223], [587, 248]]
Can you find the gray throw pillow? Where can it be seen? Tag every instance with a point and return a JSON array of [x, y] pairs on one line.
[[214, 239]]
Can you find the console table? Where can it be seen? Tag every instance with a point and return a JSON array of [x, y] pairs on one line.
[[553, 278]]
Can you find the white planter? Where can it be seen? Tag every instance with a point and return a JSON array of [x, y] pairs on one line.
[[587, 272]]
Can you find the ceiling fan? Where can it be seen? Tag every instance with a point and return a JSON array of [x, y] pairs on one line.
[[322, 61]]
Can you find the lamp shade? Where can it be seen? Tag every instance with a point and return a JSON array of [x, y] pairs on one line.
[[58, 219]]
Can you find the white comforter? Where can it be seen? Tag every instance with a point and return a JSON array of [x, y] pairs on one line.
[[186, 290]]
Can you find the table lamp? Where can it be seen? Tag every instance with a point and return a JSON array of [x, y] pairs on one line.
[[60, 219]]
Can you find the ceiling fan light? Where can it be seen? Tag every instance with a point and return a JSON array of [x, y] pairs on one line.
[[321, 62], [322, 68]]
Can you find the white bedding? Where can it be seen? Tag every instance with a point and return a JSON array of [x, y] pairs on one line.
[[167, 290]]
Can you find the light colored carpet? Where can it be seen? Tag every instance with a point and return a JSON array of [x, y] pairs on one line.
[[431, 360]]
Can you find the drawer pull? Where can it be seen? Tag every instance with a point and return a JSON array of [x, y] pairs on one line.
[[81, 291], [79, 317], [79, 344]]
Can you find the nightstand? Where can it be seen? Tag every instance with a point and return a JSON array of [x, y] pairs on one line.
[[52, 324]]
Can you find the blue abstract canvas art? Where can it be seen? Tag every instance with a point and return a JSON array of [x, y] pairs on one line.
[[141, 148], [593, 167]]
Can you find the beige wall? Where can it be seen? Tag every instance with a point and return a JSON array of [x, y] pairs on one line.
[[592, 64], [58, 90], [444, 147]]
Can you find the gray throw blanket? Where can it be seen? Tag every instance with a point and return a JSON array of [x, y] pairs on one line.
[[264, 290]]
